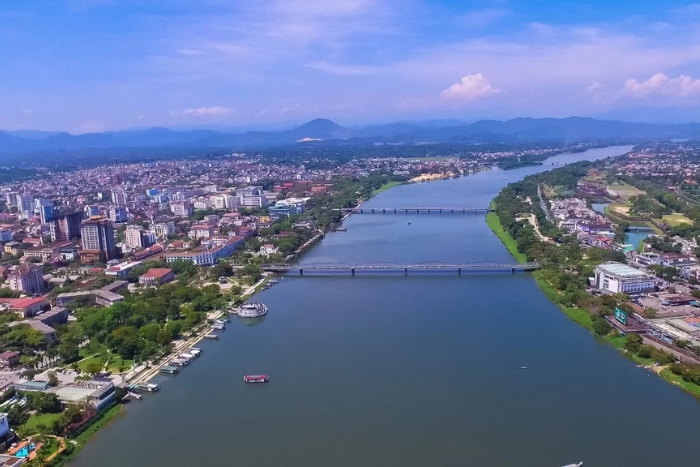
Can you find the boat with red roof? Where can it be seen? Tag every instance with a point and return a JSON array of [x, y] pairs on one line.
[[256, 378]]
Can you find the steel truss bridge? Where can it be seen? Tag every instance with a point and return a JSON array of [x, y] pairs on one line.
[[428, 266], [417, 210]]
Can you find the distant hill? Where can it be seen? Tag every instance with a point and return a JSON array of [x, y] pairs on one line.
[[572, 129]]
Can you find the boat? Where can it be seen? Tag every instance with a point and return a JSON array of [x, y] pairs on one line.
[[195, 351], [150, 387], [580, 464], [256, 378], [218, 326], [179, 362], [211, 336], [252, 310], [523, 368], [170, 370]]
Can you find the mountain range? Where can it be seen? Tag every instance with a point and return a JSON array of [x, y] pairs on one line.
[[570, 129]]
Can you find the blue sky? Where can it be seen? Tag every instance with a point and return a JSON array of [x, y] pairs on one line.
[[94, 65]]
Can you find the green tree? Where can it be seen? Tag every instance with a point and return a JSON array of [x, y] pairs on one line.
[[633, 342], [601, 326]]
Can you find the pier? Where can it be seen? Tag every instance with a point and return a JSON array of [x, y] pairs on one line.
[[417, 210], [425, 267]]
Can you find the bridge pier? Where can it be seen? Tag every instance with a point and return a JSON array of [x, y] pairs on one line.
[[459, 271], [394, 210], [512, 271], [301, 272], [383, 211], [405, 271], [352, 271]]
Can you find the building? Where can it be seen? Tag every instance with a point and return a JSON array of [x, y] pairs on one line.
[[5, 235], [136, 237], [200, 231], [98, 235], [208, 254], [620, 278], [225, 202], [181, 209], [26, 278], [11, 198], [121, 271], [25, 203], [46, 213], [117, 214], [9, 359], [44, 322], [106, 296], [156, 276], [25, 307], [66, 227], [97, 394], [164, 229], [251, 196], [119, 197]]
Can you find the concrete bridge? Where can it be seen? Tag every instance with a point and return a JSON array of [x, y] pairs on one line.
[[417, 210], [428, 266]]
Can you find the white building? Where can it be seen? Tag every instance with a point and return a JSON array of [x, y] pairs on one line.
[[136, 237], [620, 278], [251, 196], [119, 197], [163, 229], [26, 278], [224, 202], [181, 209]]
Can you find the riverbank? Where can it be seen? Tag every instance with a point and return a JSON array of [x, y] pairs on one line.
[[509, 242], [385, 187], [581, 316]]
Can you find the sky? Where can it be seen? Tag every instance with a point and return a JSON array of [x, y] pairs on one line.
[[97, 65]]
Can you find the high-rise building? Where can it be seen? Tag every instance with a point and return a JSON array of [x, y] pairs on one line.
[[66, 226], [98, 235], [26, 278], [46, 213], [119, 197], [39, 202], [117, 214], [92, 210], [11, 198], [25, 203], [136, 237]]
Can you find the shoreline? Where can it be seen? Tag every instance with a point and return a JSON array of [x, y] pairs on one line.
[[578, 315]]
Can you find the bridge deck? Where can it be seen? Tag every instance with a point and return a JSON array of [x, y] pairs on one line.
[[425, 267], [410, 210]]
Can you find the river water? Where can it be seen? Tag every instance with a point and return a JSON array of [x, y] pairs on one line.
[[422, 370]]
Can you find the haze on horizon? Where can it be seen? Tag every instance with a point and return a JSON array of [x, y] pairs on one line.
[[95, 65]]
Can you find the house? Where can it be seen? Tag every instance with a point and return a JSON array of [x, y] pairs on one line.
[[156, 276], [122, 270], [25, 307], [268, 249], [9, 359]]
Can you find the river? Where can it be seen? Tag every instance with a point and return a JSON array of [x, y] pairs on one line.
[[422, 370]]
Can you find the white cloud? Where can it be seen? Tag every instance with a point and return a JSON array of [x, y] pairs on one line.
[[660, 85], [216, 111], [482, 17], [470, 87]]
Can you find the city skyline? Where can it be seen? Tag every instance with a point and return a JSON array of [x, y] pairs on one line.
[[96, 65]]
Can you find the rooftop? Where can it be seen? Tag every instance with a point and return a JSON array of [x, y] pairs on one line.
[[622, 270], [157, 273]]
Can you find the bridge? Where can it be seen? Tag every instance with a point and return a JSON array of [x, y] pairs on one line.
[[417, 210], [427, 266]]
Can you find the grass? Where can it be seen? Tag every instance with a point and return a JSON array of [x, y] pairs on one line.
[[617, 341], [385, 187], [579, 316], [676, 219], [39, 419], [115, 363], [83, 364], [610, 213], [625, 190], [669, 376], [511, 245]]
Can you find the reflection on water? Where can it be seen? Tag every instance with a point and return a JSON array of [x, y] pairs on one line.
[[253, 321]]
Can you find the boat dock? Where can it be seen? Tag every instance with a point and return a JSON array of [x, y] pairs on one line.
[[170, 370]]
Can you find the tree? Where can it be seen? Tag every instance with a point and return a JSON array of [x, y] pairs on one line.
[[53, 379], [633, 342], [68, 351], [601, 326], [93, 367], [254, 271]]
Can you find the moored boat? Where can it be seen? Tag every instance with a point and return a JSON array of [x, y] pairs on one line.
[[256, 378], [251, 310]]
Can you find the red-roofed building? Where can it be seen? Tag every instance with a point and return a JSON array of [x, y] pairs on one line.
[[9, 359], [156, 276], [26, 307]]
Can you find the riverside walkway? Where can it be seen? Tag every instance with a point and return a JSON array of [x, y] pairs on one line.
[[417, 210], [428, 266]]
